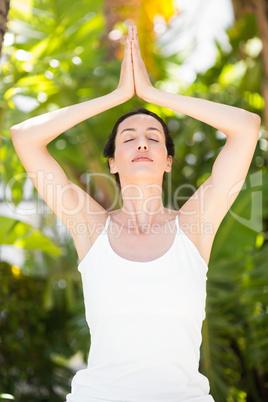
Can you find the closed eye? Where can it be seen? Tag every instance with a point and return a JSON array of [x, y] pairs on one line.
[[151, 139]]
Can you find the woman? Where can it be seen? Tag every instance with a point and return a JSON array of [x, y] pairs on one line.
[[144, 275]]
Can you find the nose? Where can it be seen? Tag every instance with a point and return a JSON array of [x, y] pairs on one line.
[[142, 145]]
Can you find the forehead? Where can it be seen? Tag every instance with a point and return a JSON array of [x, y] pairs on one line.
[[140, 121]]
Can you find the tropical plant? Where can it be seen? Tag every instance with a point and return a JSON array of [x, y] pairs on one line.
[[59, 53]]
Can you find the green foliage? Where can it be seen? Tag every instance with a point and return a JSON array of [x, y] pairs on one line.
[[58, 58], [31, 336], [22, 235]]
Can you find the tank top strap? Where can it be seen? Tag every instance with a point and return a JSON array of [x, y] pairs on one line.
[[177, 223], [106, 224]]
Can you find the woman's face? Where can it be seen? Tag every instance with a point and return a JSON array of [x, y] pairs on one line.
[[140, 150]]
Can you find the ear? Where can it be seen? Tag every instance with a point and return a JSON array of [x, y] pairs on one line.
[[169, 164], [113, 168]]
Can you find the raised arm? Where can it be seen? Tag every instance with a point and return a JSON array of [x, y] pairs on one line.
[[213, 199], [30, 138], [43, 129], [211, 113]]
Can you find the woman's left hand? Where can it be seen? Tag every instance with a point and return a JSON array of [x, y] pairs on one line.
[[141, 77]]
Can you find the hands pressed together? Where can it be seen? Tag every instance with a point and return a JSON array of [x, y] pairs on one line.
[[133, 77]]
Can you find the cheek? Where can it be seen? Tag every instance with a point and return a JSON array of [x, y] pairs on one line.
[[163, 152], [120, 154]]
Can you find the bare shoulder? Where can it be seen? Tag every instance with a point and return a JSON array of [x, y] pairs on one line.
[[87, 231]]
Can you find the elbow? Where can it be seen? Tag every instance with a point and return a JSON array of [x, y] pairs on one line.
[[13, 132], [257, 120], [255, 123]]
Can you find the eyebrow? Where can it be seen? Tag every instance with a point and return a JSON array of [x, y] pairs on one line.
[[147, 129]]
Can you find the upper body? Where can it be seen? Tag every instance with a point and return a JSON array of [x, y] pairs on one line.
[[210, 202], [142, 229], [145, 322]]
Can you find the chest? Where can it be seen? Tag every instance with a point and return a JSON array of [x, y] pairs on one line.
[[172, 284], [142, 247]]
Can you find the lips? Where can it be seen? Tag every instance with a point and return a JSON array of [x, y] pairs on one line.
[[142, 159]]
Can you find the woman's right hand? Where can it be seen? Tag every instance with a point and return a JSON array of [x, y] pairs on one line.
[[126, 83]]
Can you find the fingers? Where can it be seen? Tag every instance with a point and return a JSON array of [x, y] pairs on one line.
[[132, 54], [133, 34], [135, 44], [127, 51], [130, 32]]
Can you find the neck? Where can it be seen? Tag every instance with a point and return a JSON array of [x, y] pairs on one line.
[[142, 204]]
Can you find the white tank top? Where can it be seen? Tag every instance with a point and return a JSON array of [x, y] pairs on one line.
[[145, 322]]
